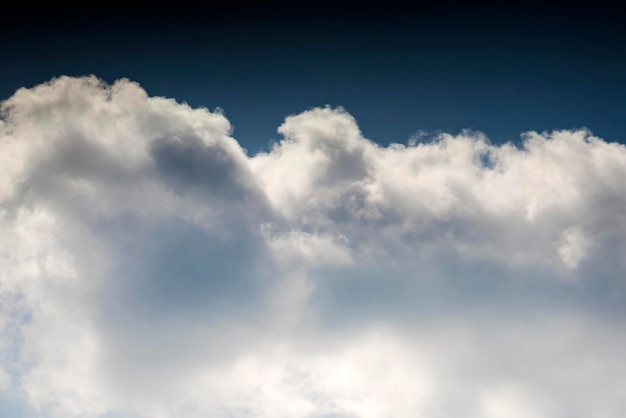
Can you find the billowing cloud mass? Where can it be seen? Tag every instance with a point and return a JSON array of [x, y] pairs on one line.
[[151, 267]]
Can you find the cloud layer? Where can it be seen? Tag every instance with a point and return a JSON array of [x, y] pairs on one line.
[[150, 267]]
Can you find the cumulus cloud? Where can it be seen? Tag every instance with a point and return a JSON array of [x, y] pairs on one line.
[[150, 267]]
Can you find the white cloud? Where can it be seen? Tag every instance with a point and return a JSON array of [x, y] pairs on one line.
[[574, 247], [149, 267]]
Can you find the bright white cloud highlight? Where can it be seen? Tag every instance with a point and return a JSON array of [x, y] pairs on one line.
[[149, 267]]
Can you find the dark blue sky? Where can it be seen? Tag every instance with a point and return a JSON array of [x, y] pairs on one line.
[[396, 70]]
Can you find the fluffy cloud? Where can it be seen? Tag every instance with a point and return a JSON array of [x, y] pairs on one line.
[[149, 267]]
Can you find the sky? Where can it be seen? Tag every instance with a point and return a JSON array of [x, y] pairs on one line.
[[313, 211], [397, 69]]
